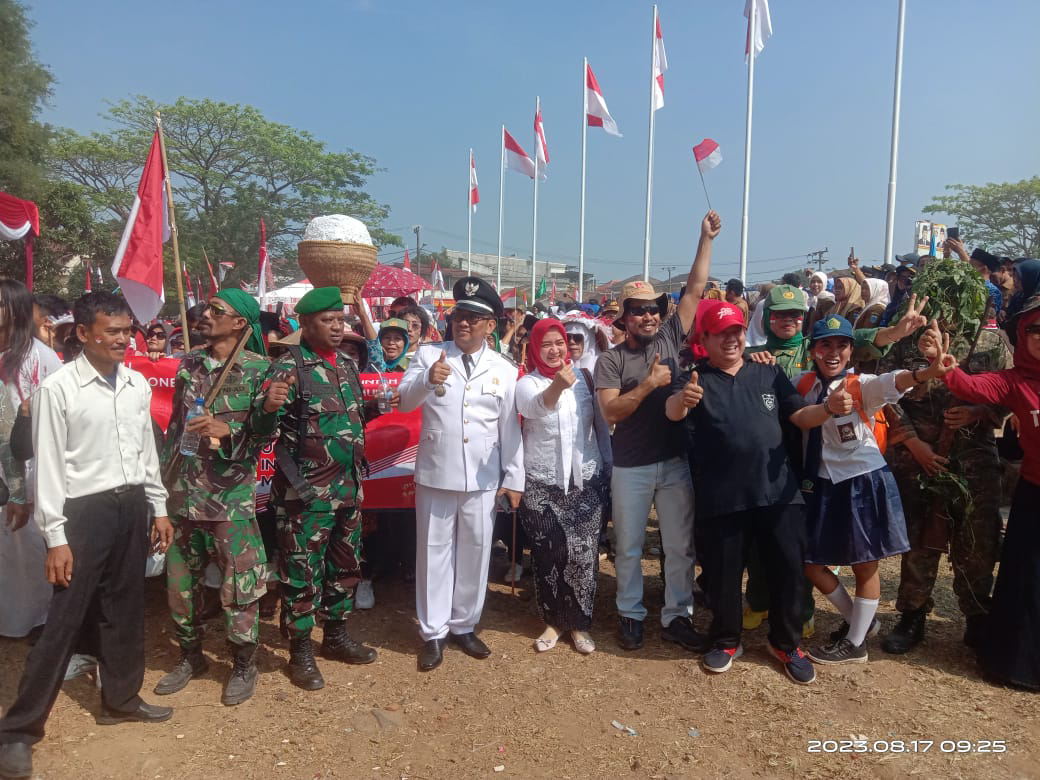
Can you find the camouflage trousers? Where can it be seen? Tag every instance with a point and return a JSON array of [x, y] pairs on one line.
[[237, 549], [974, 537], [320, 564]]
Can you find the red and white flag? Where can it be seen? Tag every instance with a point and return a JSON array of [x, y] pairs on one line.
[[660, 65], [553, 296], [474, 195], [407, 261], [541, 152], [707, 154], [189, 294], [138, 264], [214, 285], [516, 158], [264, 277], [596, 107], [436, 278], [763, 26], [88, 287]]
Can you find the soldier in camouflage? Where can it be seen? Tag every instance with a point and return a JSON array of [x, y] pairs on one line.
[[213, 493], [317, 489], [915, 426]]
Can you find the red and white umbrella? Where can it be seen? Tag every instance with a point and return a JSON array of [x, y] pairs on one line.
[[386, 281]]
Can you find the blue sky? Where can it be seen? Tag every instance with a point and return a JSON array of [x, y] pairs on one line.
[[415, 83]]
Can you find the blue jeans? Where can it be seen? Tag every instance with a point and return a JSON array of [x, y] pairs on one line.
[[667, 486]]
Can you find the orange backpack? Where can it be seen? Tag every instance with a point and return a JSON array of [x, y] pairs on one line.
[[877, 424]]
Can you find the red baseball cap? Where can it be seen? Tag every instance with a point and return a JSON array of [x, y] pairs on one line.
[[716, 316]]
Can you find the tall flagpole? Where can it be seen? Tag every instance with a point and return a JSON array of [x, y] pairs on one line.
[[581, 210], [469, 216], [893, 162], [534, 231], [501, 193], [650, 151], [752, 25], [173, 232]]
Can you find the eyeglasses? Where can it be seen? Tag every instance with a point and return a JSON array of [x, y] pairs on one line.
[[576, 337], [469, 317], [639, 311], [156, 335], [217, 311]]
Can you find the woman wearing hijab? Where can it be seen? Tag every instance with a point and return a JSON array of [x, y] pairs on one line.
[[394, 343], [848, 298], [585, 339], [1010, 650], [567, 459]]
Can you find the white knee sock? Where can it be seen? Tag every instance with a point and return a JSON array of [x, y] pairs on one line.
[[863, 612], [840, 598]]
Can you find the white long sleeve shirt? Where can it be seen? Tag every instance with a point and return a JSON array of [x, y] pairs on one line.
[[568, 441], [90, 437]]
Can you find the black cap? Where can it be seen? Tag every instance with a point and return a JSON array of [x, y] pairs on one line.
[[474, 294], [992, 262]]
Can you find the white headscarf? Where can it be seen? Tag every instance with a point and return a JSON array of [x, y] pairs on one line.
[[812, 299], [880, 294], [580, 323]]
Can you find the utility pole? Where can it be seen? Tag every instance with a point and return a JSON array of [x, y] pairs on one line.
[[818, 257], [418, 264], [669, 269]]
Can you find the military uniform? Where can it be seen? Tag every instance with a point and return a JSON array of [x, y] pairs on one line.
[[974, 536], [319, 533], [212, 498]]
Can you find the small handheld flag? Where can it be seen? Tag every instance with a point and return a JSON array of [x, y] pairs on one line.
[[708, 155]]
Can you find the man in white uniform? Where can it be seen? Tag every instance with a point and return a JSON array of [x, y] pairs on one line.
[[470, 452]]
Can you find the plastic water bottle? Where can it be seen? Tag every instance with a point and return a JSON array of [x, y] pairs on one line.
[[189, 439], [385, 394]]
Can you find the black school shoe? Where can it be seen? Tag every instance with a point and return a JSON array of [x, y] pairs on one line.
[[840, 652], [682, 632], [630, 633]]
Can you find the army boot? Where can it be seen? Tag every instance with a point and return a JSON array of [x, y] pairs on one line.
[[907, 634], [192, 664], [338, 645], [242, 682], [303, 671]]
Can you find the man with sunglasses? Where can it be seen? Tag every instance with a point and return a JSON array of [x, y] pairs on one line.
[[650, 469], [470, 452], [213, 493]]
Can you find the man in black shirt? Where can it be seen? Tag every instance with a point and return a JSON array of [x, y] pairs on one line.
[[633, 381], [744, 483]]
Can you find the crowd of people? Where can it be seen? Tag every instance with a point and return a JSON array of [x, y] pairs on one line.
[[817, 427]]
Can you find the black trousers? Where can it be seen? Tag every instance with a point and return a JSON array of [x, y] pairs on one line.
[[107, 534], [779, 534]]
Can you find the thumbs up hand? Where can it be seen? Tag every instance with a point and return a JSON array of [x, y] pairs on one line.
[[660, 375], [692, 393], [440, 371], [839, 402]]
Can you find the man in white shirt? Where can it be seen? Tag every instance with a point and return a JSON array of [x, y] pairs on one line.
[[97, 473], [470, 452]]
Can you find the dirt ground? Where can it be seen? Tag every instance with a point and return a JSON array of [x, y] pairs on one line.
[[523, 714]]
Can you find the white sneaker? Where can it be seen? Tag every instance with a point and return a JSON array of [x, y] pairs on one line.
[[364, 596], [514, 572]]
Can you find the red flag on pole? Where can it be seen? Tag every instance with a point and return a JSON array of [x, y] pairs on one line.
[[474, 196], [541, 153], [88, 288], [138, 264], [516, 158], [660, 66]]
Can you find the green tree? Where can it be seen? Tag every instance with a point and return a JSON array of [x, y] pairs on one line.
[[1004, 218], [229, 167], [24, 88]]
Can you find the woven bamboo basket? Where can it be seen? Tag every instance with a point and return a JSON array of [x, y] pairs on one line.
[[337, 264]]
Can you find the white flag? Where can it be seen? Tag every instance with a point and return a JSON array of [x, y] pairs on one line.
[[763, 26]]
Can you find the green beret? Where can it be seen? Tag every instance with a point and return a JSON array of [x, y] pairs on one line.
[[320, 299]]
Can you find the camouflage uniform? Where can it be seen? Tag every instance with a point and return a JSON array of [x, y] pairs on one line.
[[974, 536], [320, 540], [212, 499], [794, 361]]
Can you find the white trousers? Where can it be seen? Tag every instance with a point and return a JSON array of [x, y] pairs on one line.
[[452, 552]]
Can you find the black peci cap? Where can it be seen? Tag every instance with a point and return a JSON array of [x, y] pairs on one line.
[[474, 294]]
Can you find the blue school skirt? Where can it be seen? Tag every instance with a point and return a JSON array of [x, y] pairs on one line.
[[855, 521]]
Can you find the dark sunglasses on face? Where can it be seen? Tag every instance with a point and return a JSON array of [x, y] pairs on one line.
[[469, 317], [217, 311], [639, 311], [575, 337]]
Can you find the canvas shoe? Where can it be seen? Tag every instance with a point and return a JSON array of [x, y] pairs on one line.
[[797, 665], [721, 658], [841, 652]]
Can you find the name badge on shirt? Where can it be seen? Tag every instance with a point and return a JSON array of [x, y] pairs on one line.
[[847, 432]]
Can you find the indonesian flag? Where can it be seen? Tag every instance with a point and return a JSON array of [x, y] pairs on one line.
[[138, 264], [189, 293], [263, 273], [707, 154], [553, 296], [541, 152], [214, 287], [660, 64], [516, 158], [596, 107], [474, 195], [763, 26], [88, 287], [436, 277]]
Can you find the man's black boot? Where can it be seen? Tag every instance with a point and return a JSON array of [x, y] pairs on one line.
[[907, 634], [192, 664], [242, 682], [338, 645], [303, 671]]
